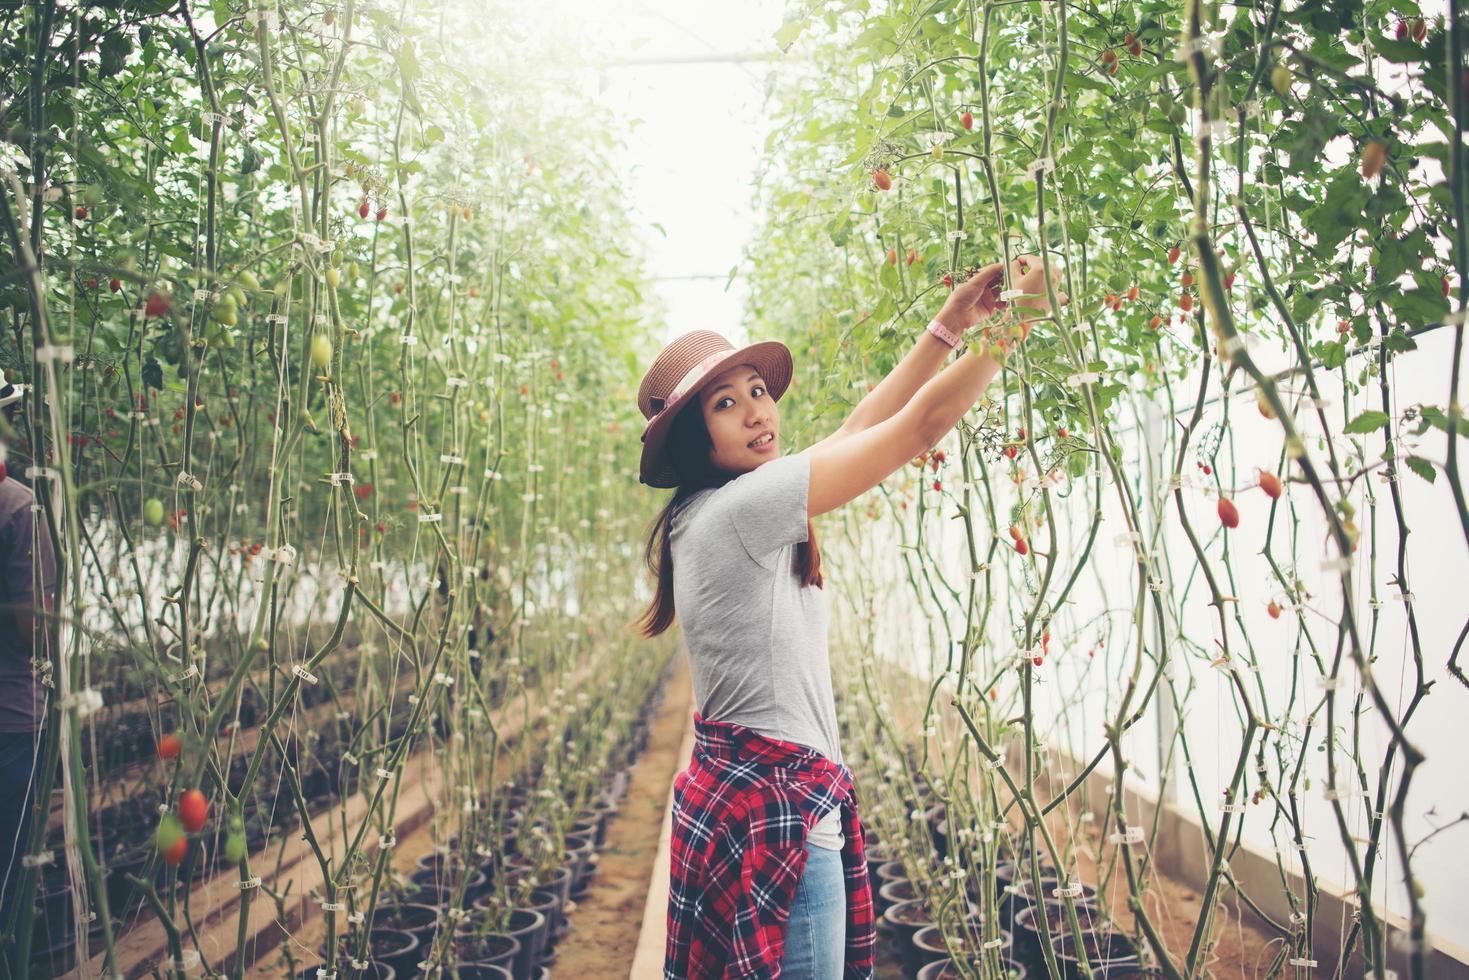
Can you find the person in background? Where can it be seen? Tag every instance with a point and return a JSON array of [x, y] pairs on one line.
[[25, 551]]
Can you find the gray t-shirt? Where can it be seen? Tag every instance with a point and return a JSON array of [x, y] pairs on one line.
[[756, 637], [22, 698]]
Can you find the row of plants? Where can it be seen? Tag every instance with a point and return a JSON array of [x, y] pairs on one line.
[[330, 421], [1171, 543]]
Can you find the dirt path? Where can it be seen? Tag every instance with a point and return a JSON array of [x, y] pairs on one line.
[[606, 923]]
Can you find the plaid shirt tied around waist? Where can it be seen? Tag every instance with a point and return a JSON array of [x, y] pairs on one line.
[[741, 813]]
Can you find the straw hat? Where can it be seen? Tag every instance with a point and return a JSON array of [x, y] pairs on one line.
[[677, 375]]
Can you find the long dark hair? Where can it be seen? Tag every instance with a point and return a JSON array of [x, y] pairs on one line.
[[687, 449]]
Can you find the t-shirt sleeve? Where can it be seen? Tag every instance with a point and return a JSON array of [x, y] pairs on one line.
[[16, 555], [767, 506]]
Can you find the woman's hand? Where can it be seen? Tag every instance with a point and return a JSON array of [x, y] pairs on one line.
[[1028, 274], [975, 299]]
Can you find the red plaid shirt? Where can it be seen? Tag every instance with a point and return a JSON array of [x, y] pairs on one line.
[[741, 812]]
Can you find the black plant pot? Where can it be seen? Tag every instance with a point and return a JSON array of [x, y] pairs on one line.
[[1106, 951], [945, 969], [396, 948], [896, 890], [418, 920], [905, 919], [528, 928], [543, 900], [929, 946], [345, 971], [480, 971], [1027, 930], [495, 949]]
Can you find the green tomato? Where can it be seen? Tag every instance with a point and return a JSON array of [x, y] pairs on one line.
[[1177, 114], [234, 848], [248, 280], [1280, 79], [352, 270], [238, 295], [321, 351], [224, 311], [153, 511], [333, 276], [169, 831]]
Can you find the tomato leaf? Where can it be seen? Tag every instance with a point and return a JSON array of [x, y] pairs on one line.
[[1368, 421], [1422, 467]]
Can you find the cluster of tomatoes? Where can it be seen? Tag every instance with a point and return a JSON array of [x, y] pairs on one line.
[[191, 816]]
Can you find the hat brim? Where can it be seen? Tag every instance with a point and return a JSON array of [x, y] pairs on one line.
[[771, 358]]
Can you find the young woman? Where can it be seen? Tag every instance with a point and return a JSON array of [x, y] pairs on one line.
[[768, 876]]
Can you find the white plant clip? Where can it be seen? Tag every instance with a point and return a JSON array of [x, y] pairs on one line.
[[451, 459], [457, 382], [1072, 890], [189, 481], [387, 843], [1042, 165], [47, 353], [408, 339], [1231, 808], [37, 860], [1302, 961], [304, 674], [192, 671], [333, 906], [337, 479], [443, 679], [1130, 835], [248, 883], [994, 943], [429, 518], [383, 773], [1083, 378]]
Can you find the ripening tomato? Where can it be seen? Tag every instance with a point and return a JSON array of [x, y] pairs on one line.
[[193, 810], [912, 256], [1021, 547], [363, 209], [967, 119], [174, 855], [1270, 483], [1273, 609], [169, 746], [1228, 513], [382, 212], [1173, 254], [114, 284], [892, 256], [882, 180], [157, 305]]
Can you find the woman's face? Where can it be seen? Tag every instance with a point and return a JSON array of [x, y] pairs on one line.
[[737, 411]]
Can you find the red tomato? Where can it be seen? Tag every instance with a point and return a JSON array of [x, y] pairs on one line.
[[169, 746], [193, 810]]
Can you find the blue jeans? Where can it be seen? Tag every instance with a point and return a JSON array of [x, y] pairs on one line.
[[20, 753], [816, 934]]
